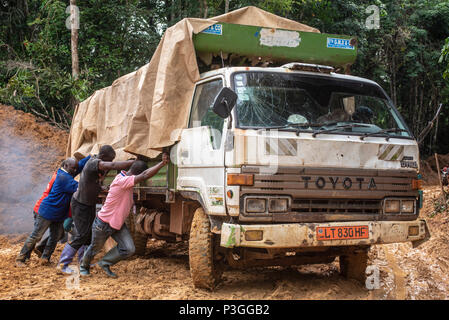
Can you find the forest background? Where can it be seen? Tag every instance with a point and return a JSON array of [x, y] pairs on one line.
[[403, 46]]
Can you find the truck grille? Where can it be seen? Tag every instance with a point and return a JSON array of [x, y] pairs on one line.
[[337, 206], [322, 183], [330, 194]]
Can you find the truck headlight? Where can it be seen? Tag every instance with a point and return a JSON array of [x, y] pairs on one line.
[[278, 205], [407, 206], [254, 205], [399, 206], [392, 206]]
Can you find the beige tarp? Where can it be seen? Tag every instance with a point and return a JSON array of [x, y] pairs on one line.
[[142, 112]]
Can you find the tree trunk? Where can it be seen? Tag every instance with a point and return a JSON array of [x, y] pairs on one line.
[[226, 6], [74, 26], [172, 12], [25, 6], [74, 38], [394, 80], [206, 9]]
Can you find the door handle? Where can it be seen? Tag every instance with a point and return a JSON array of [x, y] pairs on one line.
[[184, 153]]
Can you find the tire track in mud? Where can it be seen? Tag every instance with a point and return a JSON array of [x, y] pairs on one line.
[[398, 274], [408, 273]]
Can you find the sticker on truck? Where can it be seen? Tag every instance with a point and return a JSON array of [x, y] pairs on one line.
[[390, 152], [279, 38], [216, 29], [342, 233], [339, 43]]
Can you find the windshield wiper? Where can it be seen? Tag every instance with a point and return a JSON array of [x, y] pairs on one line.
[[299, 125], [345, 126], [293, 125], [282, 126], [316, 125], [384, 131]]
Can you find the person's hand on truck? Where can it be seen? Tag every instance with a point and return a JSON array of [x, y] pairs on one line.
[[165, 158], [148, 173]]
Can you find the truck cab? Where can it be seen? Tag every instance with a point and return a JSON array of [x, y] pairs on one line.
[[308, 166]]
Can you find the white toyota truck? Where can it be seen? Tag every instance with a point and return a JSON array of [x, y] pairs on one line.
[[285, 164]]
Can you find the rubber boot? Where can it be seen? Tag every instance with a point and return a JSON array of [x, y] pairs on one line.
[[81, 253], [85, 257], [84, 271], [110, 258], [66, 258], [108, 271]]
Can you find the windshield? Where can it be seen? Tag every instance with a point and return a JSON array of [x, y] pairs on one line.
[[314, 103]]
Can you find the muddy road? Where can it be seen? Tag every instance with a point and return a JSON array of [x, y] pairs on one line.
[[163, 273]]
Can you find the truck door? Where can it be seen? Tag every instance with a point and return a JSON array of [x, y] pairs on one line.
[[200, 152]]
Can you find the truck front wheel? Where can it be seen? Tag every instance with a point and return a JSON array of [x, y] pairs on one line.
[[353, 265], [204, 270]]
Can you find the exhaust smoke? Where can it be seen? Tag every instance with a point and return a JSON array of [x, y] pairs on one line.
[[26, 165]]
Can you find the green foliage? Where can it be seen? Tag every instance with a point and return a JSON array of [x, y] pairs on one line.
[[402, 55], [280, 6], [444, 58], [115, 38], [439, 205], [408, 55]]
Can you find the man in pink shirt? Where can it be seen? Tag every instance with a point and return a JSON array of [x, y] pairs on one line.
[[110, 221]]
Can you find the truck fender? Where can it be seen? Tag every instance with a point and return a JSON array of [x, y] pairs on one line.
[[215, 222]]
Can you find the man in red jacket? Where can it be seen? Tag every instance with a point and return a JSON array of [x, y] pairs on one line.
[[39, 249]]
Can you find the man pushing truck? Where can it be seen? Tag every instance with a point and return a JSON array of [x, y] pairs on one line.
[[110, 221]]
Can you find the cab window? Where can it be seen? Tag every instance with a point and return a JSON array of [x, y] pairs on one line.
[[202, 113]]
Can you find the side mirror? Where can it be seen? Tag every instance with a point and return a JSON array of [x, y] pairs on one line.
[[224, 102]]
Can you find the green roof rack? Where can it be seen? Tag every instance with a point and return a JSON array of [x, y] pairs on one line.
[[277, 45]]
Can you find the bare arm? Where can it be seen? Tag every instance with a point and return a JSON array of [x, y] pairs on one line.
[[152, 171], [117, 165]]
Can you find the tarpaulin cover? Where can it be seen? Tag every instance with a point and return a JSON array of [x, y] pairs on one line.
[[143, 111]]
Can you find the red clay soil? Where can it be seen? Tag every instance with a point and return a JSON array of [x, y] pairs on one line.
[[30, 150], [406, 273]]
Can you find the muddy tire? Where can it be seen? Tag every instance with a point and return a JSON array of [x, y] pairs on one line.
[[353, 265], [205, 272], [139, 239]]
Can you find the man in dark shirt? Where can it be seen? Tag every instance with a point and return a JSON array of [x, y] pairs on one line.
[[85, 198], [53, 210]]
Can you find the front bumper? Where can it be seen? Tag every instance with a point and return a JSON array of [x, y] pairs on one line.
[[295, 235]]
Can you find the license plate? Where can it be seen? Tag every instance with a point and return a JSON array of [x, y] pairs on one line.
[[342, 233]]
